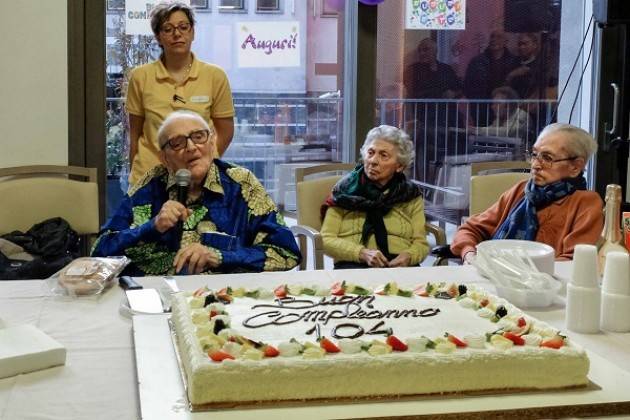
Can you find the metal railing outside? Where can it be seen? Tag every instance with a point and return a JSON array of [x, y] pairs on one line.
[[268, 131], [274, 135]]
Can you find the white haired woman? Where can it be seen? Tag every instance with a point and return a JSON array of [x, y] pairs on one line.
[[552, 207], [509, 119], [374, 216]]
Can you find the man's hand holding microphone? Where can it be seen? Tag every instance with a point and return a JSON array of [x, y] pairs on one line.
[[173, 214]]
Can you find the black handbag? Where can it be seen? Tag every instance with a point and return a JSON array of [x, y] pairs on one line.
[[52, 243]]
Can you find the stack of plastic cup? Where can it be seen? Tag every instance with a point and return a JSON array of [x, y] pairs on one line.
[[615, 315], [583, 292]]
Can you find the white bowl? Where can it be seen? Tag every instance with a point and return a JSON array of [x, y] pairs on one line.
[[541, 254]]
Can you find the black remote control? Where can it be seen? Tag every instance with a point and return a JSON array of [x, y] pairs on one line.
[[128, 283]]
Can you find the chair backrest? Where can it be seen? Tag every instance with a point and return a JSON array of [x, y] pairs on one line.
[[485, 190], [32, 194], [486, 168], [310, 197], [337, 168], [448, 199], [310, 194]]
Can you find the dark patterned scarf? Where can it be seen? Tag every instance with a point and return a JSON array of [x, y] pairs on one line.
[[356, 192], [522, 221]]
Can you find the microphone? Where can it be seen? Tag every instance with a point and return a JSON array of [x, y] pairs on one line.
[[182, 182], [177, 98]]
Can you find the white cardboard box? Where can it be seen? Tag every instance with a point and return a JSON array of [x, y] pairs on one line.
[[25, 348]]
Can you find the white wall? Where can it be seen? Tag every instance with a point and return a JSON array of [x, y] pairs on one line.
[[34, 82]]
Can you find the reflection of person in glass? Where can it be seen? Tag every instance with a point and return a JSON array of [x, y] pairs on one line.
[[374, 216], [552, 207], [178, 80], [509, 119], [488, 70], [429, 78], [227, 224], [526, 79]]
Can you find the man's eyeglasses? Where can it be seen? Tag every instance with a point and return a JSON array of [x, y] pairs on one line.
[[546, 160], [169, 30], [180, 142]]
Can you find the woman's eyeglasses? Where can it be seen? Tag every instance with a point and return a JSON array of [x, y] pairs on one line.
[[169, 30], [546, 160], [179, 142]]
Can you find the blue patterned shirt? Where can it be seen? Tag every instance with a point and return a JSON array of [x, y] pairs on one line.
[[234, 216]]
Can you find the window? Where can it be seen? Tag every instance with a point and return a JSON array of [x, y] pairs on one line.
[[116, 5], [268, 6], [289, 104], [479, 94], [232, 6], [201, 5], [328, 10], [113, 5]]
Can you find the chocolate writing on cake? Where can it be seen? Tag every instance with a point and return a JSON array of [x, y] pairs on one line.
[[289, 310]]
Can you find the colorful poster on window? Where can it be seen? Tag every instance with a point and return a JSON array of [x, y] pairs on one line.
[[268, 44], [138, 16], [435, 14]]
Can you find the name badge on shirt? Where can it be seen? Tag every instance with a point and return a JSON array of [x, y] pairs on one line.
[[199, 99]]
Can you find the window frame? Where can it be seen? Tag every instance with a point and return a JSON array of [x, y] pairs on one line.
[[204, 7], [277, 10], [112, 5], [232, 9], [326, 11]]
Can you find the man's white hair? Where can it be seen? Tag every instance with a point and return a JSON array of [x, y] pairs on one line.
[[175, 116], [580, 143]]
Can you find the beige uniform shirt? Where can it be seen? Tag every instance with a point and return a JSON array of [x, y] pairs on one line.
[[153, 95]]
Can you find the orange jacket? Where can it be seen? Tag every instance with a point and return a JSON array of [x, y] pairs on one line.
[[574, 219]]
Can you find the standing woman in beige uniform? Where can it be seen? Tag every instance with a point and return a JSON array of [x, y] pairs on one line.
[[176, 81]]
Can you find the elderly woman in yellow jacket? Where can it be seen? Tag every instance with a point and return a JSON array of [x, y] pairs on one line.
[[374, 216]]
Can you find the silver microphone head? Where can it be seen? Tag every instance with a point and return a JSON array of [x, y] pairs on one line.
[[182, 177]]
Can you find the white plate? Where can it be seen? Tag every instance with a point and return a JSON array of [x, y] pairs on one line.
[[541, 254]]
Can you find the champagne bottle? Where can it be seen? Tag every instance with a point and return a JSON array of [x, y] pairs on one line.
[[611, 238]]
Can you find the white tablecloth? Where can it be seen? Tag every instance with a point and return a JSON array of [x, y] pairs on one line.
[[99, 379]]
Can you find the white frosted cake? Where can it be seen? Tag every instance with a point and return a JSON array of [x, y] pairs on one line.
[[345, 341]]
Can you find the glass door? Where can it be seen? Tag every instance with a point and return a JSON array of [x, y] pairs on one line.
[[470, 81]]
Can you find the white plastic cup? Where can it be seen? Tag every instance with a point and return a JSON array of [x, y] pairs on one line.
[[583, 309], [616, 278], [615, 311], [585, 266], [615, 315], [583, 292]]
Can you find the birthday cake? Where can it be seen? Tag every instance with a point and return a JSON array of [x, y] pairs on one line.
[[346, 341]]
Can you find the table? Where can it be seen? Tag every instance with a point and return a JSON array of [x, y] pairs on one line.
[[99, 379]]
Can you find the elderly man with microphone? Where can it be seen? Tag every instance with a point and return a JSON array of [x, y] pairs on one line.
[[194, 214]]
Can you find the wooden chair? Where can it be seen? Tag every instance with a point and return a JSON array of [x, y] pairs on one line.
[[32, 194], [310, 195]]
